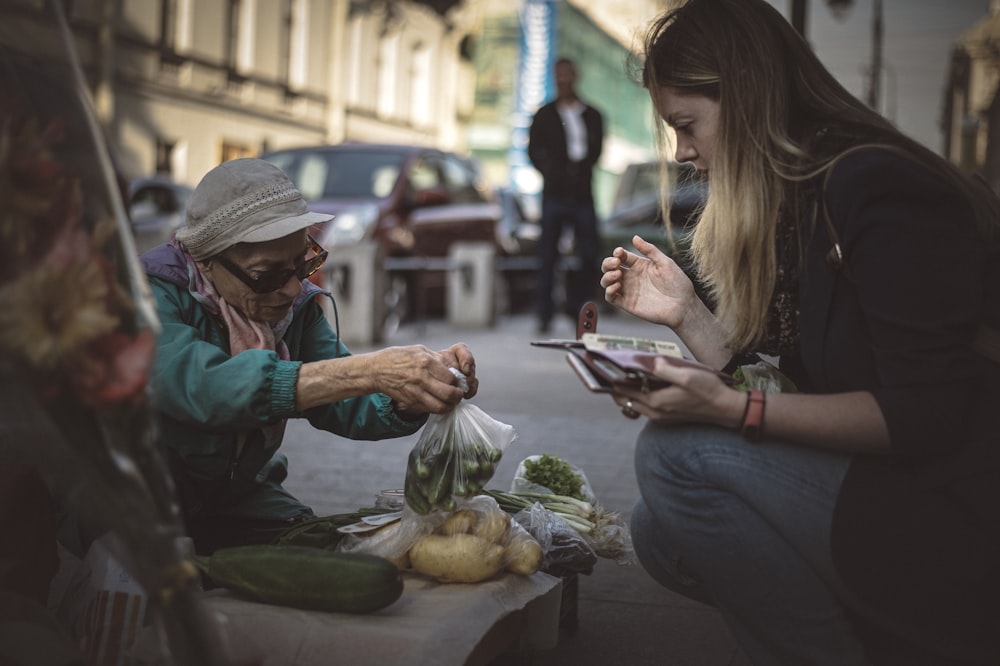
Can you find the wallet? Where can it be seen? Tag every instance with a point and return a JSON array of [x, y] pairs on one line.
[[606, 365]]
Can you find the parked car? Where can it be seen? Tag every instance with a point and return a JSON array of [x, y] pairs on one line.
[[518, 236], [157, 207], [636, 206], [414, 201]]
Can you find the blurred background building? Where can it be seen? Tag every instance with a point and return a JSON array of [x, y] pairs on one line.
[[514, 56], [971, 118], [181, 85]]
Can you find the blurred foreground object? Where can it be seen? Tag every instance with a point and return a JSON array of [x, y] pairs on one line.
[[77, 333]]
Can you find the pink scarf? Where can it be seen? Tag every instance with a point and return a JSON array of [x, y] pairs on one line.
[[244, 334]]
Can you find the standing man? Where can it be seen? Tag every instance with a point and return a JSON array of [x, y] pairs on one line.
[[564, 144]]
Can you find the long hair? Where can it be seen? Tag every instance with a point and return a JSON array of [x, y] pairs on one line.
[[774, 97]]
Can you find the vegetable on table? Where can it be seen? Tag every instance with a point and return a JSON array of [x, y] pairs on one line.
[[524, 555], [604, 530], [474, 544], [306, 578], [458, 558], [439, 470], [580, 514], [555, 474]]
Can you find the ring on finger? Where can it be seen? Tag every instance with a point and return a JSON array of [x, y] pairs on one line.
[[629, 410]]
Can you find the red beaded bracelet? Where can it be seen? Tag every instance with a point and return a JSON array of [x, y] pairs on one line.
[[753, 416]]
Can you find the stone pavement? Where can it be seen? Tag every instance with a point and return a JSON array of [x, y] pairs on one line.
[[624, 616]]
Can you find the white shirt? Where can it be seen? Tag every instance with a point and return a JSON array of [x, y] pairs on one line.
[[576, 130]]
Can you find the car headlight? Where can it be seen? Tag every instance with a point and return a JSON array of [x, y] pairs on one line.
[[351, 226]]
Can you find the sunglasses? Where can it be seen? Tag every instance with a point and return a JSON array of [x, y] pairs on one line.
[[270, 281]]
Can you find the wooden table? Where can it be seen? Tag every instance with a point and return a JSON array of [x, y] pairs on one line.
[[431, 623]]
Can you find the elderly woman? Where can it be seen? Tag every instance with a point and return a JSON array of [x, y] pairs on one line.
[[245, 346], [857, 520]]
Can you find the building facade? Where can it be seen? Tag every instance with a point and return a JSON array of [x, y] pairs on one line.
[[517, 46], [181, 85], [971, 110]]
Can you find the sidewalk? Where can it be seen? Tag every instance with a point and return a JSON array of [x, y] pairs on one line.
[[624, 616]]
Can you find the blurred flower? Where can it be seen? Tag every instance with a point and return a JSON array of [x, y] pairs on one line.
[[118, 370], [30, 178], [62, 310], [48, 319]]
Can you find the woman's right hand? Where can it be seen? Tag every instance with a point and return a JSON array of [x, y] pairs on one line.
[[417, 379], [649, 285]]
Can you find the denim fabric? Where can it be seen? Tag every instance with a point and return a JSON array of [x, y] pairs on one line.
[[581, 286], [747, 527]]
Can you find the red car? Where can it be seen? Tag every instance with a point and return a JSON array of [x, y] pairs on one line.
[[414, 201]]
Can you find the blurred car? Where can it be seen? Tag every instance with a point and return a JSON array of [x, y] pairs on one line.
[[414, 201], [157, 207], [636, 206], [518, 236]]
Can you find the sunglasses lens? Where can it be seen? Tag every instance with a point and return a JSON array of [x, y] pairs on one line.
[[271, 282], [313, 265]]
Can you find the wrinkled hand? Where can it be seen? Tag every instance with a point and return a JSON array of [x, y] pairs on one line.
[[460, 356], [420, 380], [694, 396], [649, 285]]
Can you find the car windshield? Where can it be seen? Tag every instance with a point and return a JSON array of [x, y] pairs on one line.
[[341, 174]]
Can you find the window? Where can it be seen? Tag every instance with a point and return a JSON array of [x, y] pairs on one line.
[[168, 25], [232, 150], [420, 85], [239, 38], [388, 66], [233, 34], [460, 178], [297, 44], [164, 156], [424, 175]]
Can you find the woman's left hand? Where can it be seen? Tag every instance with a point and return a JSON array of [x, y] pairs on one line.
[[694, 396]]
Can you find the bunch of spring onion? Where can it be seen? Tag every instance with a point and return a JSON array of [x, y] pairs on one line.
[[605, 531], [579, 514]]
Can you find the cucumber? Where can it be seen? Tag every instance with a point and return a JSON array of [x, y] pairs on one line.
[[307, 578], [439, 485]]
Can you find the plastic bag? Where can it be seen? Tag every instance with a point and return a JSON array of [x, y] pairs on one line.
[[394, 540], [456, 456], [102, 602], [566, 551], [475, 542], [610, 536], [764, 376], [520, 484]]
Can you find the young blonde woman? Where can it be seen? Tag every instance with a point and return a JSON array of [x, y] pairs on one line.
[[857, 520]]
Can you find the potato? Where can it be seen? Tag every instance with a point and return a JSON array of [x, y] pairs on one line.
[[459, 522], [460, 558], [523, 556], [492, 525]]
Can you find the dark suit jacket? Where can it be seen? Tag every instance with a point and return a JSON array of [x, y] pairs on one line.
[[564, 179], [915, 534]]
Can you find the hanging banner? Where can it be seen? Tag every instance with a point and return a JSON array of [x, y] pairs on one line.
[[533, 87]]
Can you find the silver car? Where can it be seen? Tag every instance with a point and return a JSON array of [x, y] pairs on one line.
[[157, 208]]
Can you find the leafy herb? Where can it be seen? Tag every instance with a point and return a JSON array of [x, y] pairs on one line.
[[555, 474]]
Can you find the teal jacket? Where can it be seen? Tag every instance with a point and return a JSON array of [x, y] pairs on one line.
[[204, 399]]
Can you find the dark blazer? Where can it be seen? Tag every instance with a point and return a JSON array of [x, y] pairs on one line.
[[915, 534], [564, 179]]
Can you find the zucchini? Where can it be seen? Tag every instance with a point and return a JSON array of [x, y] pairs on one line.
[[307, 578]]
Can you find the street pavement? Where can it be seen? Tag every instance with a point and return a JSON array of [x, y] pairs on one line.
[[624, 616]]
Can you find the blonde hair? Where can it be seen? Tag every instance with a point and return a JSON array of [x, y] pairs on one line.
[[774, 98]]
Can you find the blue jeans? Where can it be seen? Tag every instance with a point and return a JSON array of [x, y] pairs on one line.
[[746, 527], [582, 284]]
